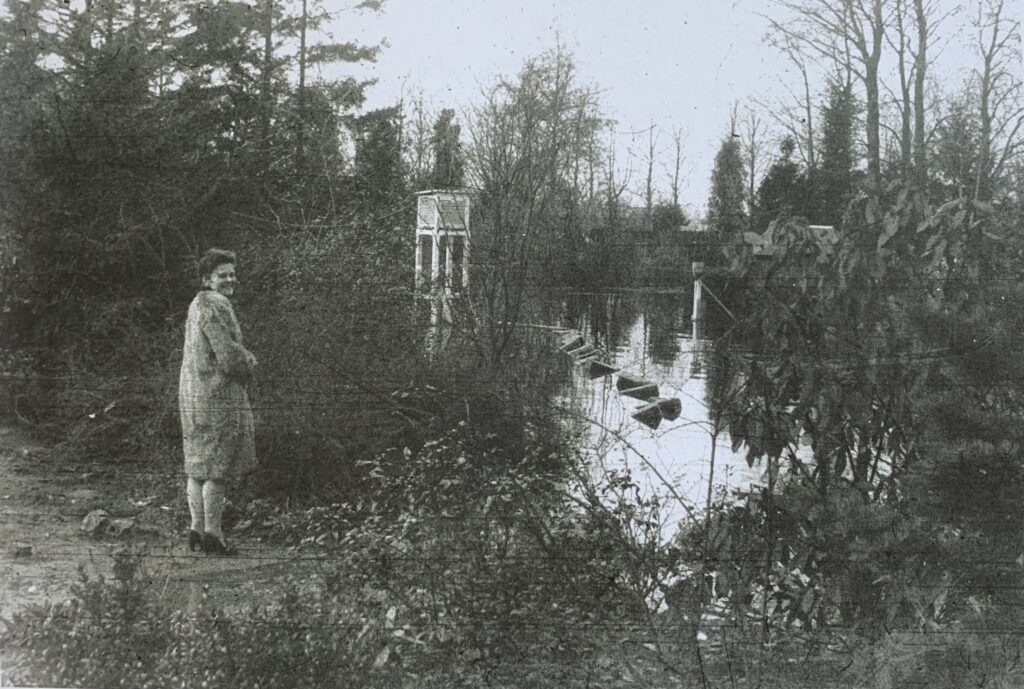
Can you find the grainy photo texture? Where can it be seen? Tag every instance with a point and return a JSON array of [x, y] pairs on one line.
[[399, 344]]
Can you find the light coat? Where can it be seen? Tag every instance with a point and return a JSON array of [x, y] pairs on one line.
[[216, 418]]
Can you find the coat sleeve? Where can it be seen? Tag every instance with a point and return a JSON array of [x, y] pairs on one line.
[[234, 360]]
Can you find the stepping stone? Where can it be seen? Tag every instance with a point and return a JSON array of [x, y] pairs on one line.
[[629, 380], [571, 341], [671, 407], [649, 415], [583, 352], [599, 369], [645, 391]]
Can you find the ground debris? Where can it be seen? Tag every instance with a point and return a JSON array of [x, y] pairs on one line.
[[95, 522]]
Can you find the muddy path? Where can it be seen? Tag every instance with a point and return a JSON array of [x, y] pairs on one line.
[[44, 550]]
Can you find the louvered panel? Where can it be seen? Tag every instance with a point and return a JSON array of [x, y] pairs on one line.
[[426, 211], [453, 214]]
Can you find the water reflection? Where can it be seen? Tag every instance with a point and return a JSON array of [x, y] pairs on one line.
[[607, 319], [660, 313], [653, 337]]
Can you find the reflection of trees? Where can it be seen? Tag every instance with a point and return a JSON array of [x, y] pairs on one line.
[[545, 307], [574, 308], [661, 314], [722, 378], [613, 316], [604, 319]]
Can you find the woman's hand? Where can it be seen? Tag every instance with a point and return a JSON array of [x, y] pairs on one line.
[[250, 367]]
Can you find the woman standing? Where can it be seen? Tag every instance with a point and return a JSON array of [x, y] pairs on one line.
[[216, 419]]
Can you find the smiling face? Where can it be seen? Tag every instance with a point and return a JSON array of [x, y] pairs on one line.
[[222, 279]]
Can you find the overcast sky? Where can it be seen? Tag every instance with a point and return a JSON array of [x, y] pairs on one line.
[[677, 63]]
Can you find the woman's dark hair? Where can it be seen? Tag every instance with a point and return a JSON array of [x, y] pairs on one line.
[[213, 258]]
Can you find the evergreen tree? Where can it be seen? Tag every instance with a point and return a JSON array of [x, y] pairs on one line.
[[23, 46], [311, 17], [26, 127], [833, 182], [135, 137], [667, 219], [955, 156], [104, 166], [380, 176], [448, 168], [783, 189], [726, 213]]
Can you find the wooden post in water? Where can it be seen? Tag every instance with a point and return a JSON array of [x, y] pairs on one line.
[[698, 292]]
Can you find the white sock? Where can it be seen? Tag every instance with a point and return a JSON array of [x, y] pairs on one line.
[[194, 491], [213, 503]]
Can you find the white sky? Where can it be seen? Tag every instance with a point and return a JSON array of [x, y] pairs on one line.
[[677, 63]]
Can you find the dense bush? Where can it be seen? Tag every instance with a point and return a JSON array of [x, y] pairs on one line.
[[349, 364], [468, 565], [120, 632]]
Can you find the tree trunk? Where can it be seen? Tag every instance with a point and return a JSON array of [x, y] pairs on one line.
[[752, 145], [649, 186], [981, 191], [110, 8], [920, 69], [906, 108], [677, 137], [300, 137], [983, 185], [265, 94], [809, 115], [872, 117]]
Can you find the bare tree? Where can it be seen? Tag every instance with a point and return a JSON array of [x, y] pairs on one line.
[[922, 11], [848, 35], [300, 140], [417, 131], [526, 142], [616, 181], [677, 165], [752, 140], [652, 141], [916, 24], [901, 44], [1000, 91], [266, 81], [797, 116]]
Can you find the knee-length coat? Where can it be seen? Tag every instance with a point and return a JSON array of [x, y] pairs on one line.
[[216, 418]]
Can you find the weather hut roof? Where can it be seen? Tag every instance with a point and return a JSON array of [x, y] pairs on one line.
[[453, 191], [443, 209]]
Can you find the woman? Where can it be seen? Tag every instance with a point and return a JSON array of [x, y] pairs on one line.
[[216, 419]]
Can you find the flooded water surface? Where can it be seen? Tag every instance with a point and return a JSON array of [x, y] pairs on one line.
[[651, 336]]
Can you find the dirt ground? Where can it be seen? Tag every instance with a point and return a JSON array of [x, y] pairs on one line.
[[43, 548]]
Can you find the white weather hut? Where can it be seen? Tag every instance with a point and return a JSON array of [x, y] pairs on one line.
[[442, 241]]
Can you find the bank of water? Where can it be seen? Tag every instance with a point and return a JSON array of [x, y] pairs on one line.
[[652, 336]]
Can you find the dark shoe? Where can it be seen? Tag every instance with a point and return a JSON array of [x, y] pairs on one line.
[[216, 546], [195, 540]]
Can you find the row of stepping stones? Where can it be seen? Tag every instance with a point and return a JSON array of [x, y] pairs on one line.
[[653, 410]]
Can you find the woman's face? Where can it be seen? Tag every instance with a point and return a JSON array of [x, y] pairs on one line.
[[222, 279]]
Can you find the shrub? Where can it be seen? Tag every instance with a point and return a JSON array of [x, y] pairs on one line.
[[120, 632]]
